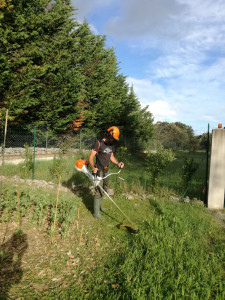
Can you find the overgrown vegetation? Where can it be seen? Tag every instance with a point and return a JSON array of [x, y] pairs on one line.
[[179, 252], [55, 71], [168, 168], [175, 256], [38, 205], [26, 168], [188, 169], [156, 162]]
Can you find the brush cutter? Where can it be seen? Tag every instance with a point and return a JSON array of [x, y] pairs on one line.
[[81, 166]]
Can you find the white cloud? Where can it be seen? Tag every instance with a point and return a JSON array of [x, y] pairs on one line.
[[154, 96], [201, 10], [181, 20], [162, 111], [88, 6], [146, 90], [144, 18]]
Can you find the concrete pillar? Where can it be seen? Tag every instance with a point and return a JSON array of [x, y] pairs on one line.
[[217, 170]]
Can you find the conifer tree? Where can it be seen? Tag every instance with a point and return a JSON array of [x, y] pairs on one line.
[[52, 69], [40, 81], [108, 96], [137, 121], [99, 66]]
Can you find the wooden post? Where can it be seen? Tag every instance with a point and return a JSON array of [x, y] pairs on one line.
[[19, 218], [3, 154], [56, 206]]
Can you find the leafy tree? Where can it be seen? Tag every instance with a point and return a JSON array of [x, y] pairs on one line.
[[189, 142], [175, 135], [4, 6], [204, 141]]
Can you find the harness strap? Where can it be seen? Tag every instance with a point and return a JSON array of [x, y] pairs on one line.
[[106, 167], [98, 146]]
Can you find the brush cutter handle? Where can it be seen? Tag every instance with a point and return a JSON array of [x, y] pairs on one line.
[[112, 174]]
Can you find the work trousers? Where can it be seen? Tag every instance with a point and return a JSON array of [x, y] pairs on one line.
[[104, 184]]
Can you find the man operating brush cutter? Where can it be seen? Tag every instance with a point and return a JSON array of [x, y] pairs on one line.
[[103, 152], [81, 165]]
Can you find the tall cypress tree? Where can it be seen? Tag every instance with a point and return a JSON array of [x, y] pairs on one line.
[[40, 75], [53, 68], [105, 88], [109, 98]]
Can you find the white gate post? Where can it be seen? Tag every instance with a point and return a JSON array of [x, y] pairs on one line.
[[217, 170]]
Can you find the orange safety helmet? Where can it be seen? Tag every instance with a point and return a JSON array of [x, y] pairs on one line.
[[114, 132]]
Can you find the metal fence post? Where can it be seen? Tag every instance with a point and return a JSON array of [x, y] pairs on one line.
[[46, 141], [207, 170], [34, 152]]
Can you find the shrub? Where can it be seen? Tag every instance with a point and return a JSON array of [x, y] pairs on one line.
[[157, 161], [188, 169], [28, 163]]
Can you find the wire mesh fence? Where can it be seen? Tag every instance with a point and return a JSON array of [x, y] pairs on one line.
[[43, 141], [189, 179]]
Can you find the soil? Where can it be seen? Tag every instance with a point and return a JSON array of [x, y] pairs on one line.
[[33, 260]]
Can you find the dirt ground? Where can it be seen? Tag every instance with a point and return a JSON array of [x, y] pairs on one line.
[[34, 260]]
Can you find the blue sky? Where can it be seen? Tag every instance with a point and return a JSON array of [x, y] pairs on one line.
[[171, 51]]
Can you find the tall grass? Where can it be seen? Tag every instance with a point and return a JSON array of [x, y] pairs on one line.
[[38, 206], [178, 254], [135, 173]]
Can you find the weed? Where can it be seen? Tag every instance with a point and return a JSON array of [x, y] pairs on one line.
[[25, 169], [188, 170], [57, 167], [156, 162], [35, 204]]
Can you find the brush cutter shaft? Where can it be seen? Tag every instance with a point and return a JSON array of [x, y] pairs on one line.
[[116, 205]]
